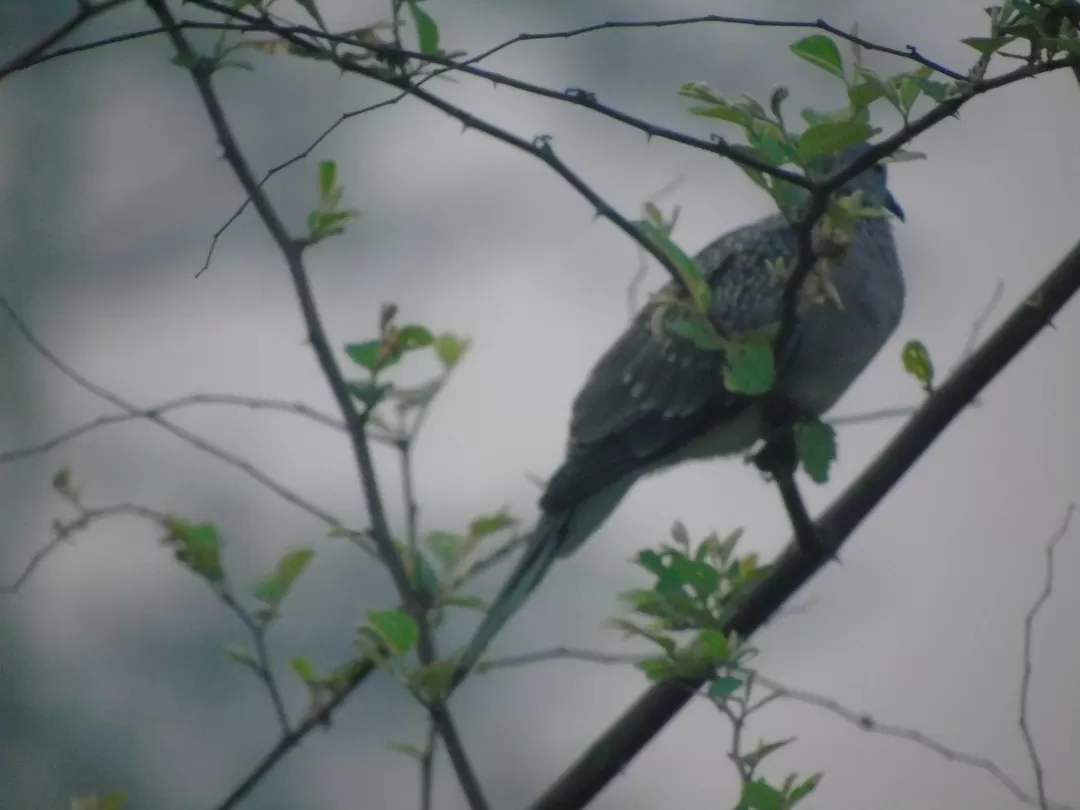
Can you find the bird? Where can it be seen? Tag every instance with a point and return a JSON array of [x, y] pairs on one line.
[[654, 400]]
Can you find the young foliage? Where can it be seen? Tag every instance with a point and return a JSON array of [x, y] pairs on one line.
[[328, 219], [198, 547], [917, 363]]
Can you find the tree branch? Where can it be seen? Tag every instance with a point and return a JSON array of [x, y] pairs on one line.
[[84, 12], [132, 412], [628, 735], [292, 251]]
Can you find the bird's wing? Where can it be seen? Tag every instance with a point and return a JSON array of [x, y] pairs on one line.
[[646, 397]]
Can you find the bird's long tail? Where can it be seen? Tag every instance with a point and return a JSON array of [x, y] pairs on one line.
[[556, 535], [544, 547]]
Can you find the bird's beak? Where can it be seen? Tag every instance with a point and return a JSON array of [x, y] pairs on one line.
[[892, 206]]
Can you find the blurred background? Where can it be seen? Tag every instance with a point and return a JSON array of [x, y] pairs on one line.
[[111, 669]]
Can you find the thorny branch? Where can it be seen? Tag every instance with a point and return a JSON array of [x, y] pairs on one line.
[[292, 251]]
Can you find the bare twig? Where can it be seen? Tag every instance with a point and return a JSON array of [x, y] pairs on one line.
[[64, 531], [307, 150], [289, 741], [180, 403], [261, 667], [980, 322], [1025, 680], [868, 723], [909, 52], [427, 767], [84, 12], [136, 413]]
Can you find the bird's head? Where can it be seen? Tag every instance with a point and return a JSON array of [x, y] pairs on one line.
[[873, 182]]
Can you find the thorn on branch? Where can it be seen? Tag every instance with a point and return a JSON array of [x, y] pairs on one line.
[[581, 95]]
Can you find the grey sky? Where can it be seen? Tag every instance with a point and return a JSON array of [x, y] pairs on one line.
[[111, 191]]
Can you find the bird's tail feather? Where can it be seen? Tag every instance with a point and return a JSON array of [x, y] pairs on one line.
[[540, 553], [556, 535]]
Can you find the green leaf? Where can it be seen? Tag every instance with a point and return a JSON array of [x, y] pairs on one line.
[[189, 60], [365, 354], [771, 141], [449, 348], [310, 8], [327, 178], [985, 45], [414, 336], [724, 687], [467, 601], [820, 50], [113, 800], [396, 628], [830, 137], [427, 32], [715, 645], [938, 91], [304, 669], [368, 392], [630, 629], [863, 94], [703, 578], [274, 587], [408, 749], [240, 654], [431, 680], [446, 546], [723, 111], [805, 789], [698, 331], [657, 669], [487, 525], [198, 547], [815, 443], [754, 758], [749, 367], [885, 87], [759, 795], [917, 363], [686, 267], [753, 174], [1068, 44], [421, 575]]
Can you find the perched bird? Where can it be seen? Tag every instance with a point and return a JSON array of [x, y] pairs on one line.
[[654, 400]]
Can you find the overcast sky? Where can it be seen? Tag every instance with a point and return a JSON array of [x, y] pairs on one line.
[[111, 673]]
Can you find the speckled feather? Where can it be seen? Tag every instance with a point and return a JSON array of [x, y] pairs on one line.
[[656, 400]]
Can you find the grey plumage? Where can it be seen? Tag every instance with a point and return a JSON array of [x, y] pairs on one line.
[[653, 401]]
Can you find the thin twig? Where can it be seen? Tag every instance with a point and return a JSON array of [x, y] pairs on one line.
[[980, 322], [868, 723], [191, 400], [63, 532], [317, 719], [84, 12], [427, 766], [1025, 679], [181, 433], [909, 52], [261, 668]]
